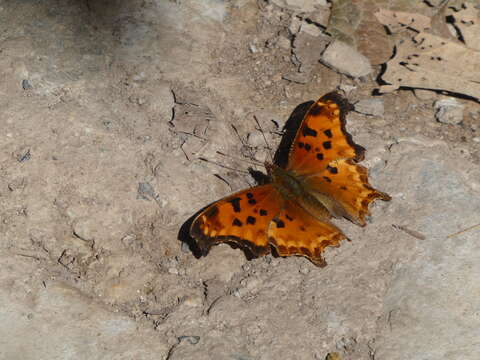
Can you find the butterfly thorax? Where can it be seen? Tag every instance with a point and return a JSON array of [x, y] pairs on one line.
[[284, 181], [291, 187]]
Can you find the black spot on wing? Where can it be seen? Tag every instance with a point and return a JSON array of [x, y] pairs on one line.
[[327, 145], [332, 169], [301, 144], [320, 156], [249, 195], [251, 220], [288, 217], [328, 133], [327, 179], [235, 204], [252, 201], [263, 212], [308, 147], [279, 223], [237, 222], [309, 131], [345, 107]]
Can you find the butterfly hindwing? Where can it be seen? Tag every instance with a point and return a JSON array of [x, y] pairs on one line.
[[295, 232], [343, 188], [242, 218], [322, 137]]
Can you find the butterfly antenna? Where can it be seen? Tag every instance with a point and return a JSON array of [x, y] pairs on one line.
[[251, 161], [224, 166], [264, 138], [225, 181], [244, 144], [238, 135]]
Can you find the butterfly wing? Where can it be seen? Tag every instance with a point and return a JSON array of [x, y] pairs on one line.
[[324, 156], [295, 232], [343, 188], [322, 137], [242, 218]]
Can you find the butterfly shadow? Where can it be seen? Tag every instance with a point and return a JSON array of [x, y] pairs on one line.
[[280, 158], [289, 132]]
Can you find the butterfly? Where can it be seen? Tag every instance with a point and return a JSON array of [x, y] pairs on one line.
[[291, 214]]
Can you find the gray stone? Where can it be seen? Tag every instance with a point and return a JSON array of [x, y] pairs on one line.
[[295, 24], [346, 60], [310, 29], [26, 85], [320, 16], [449, 111], [307, 49], [372, 107]]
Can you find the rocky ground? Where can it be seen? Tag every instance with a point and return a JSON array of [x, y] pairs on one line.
[[106, 109]]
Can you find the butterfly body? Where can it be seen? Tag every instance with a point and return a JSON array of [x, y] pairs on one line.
[[292, 213], [291, 186], [286, 182]]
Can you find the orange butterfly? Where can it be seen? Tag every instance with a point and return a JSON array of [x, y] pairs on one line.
[[292, 213]]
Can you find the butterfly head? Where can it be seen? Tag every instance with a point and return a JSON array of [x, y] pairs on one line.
[[274, 172]]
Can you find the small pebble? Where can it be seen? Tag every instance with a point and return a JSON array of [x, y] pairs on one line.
[[24, 156], [346, 60], [129, 240], [145, 191], [449, 111], [295, 25], [253, 48], [284, 43], [26, 85], [193, 340], [173, 271]]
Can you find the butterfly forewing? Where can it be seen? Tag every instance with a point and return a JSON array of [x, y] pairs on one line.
[[322, 137], [242, 218]]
